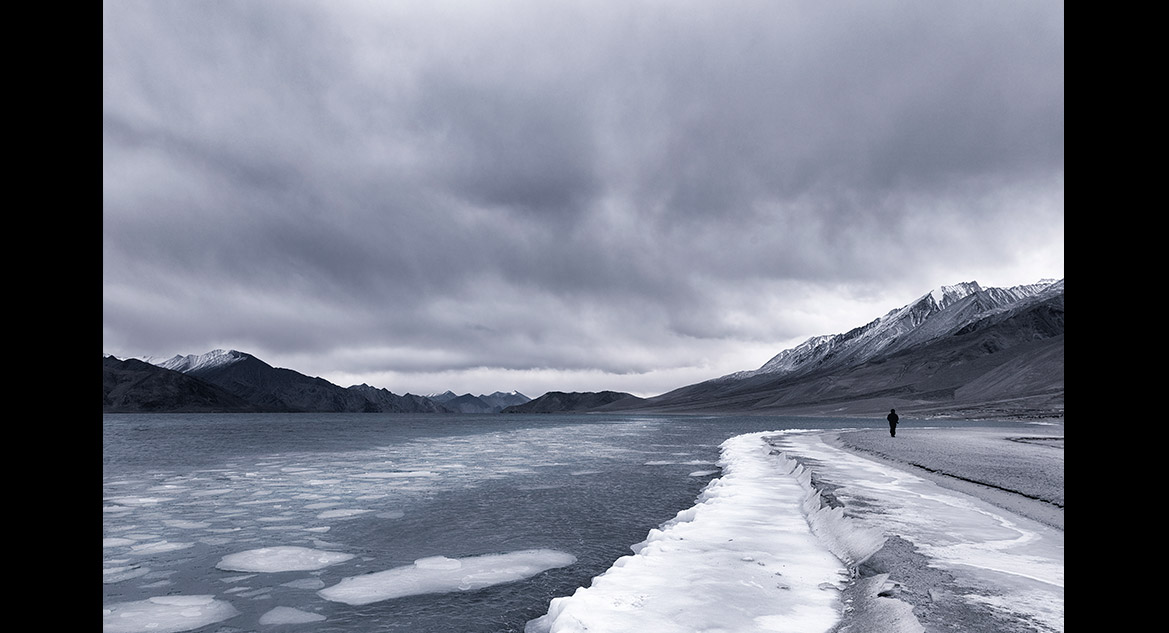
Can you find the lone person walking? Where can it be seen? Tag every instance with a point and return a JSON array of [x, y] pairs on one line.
[[892, 418]]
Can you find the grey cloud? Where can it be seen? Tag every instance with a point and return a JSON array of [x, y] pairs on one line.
[[534, 185]]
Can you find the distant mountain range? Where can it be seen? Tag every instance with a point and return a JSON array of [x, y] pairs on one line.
[[962, 351], [233, 381], [493, 403], [562, 402]]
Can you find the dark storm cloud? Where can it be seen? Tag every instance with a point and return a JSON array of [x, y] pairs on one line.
[[527, 185]]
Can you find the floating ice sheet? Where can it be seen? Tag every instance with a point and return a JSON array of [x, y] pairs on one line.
[[158, 547], [165, 614], [289, 615], [283, 558], [440, 574]]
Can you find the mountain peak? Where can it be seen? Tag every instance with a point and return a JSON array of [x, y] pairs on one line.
[[195, 362], [945, 296]]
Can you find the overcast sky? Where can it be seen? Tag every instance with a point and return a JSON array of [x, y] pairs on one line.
[[575, 196]]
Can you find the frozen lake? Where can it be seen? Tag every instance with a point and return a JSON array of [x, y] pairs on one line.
[[368, 522]]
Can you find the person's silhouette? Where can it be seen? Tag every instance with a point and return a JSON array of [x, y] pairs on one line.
[[892, 418]]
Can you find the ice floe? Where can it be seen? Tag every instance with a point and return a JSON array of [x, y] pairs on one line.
[[289, 615], [165, 614], [341, 513], [281, 558], [158, 547], [440, 574]]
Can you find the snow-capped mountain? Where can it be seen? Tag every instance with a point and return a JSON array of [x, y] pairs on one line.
[[935, 314], [193, 363], [132, 385], [960, 348], [231, 380], [956, 350]]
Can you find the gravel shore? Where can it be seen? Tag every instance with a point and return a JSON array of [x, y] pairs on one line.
[[1020, 471]]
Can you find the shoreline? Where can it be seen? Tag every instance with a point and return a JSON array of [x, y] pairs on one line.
[[897, 589], [1021, 472]]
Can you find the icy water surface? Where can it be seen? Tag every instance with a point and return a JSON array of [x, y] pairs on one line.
[[453, 523]]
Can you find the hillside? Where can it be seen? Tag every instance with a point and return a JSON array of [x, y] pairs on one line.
[[961, 350], [972, 353], [132, 386], [233, 381]]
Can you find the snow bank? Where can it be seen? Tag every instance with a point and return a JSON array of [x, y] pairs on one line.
[[744, 558], [848, 539], [439, 574]]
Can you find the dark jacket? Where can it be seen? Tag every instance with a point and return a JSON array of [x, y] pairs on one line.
[[892, 418]]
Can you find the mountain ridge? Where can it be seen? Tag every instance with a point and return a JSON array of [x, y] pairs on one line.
[[971, 352], [899, 328], [229, 381], [959, 350], [564, 402], [132, 385], [483, 403]]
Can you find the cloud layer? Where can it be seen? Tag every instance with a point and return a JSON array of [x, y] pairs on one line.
[[593, 195]]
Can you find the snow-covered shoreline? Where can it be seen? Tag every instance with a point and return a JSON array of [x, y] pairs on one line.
[[906, 548], [744, 558]]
